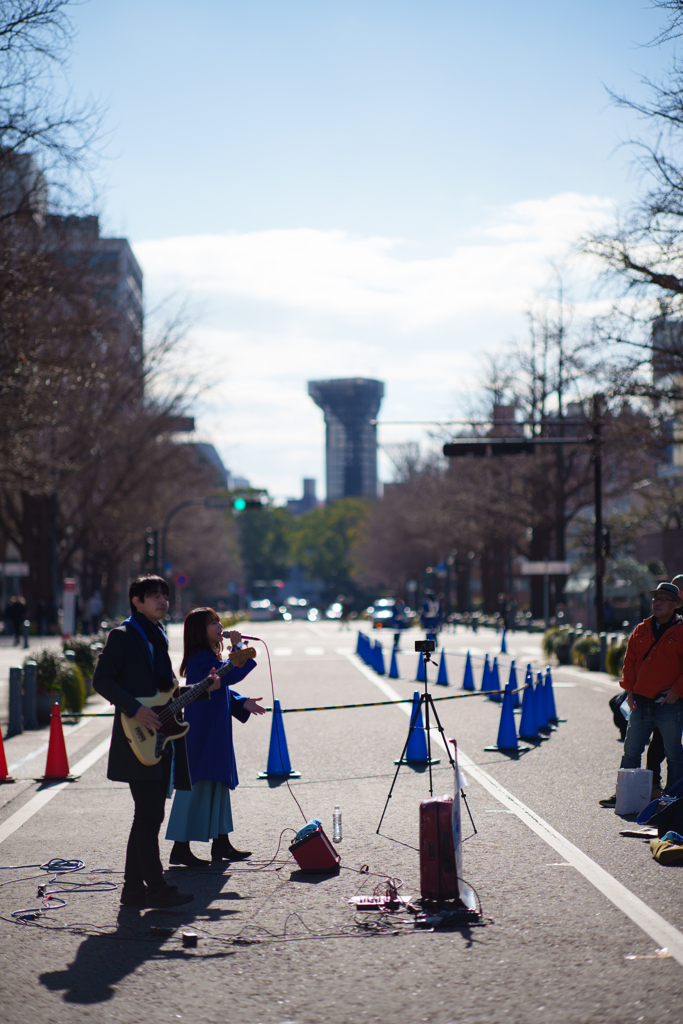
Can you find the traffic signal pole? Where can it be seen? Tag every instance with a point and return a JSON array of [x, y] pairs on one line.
[[488, 447]]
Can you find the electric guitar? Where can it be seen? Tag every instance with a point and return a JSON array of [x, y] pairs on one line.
[[148, 744]]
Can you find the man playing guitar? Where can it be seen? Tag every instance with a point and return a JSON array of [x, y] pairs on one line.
[[135, 663]]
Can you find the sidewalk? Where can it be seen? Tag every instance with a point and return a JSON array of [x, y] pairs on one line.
[[13, 657]]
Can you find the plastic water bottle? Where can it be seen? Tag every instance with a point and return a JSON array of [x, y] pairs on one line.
[[336, 825]]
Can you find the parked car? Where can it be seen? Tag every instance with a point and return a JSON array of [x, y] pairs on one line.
[[261, 611], [297, 607], [381, 613]]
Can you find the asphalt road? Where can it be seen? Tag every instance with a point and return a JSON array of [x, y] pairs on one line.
[[573, 913]]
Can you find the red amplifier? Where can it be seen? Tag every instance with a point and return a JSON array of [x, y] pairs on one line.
[[438, 872], [316, 854]]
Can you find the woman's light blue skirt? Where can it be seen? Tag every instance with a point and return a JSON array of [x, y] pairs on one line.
[[201, 815]]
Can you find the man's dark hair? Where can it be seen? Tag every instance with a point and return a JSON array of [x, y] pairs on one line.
[[144, 585]]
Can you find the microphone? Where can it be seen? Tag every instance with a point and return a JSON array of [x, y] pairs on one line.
[[226, 633]]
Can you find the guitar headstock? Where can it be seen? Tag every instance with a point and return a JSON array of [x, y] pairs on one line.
[[241, 655]]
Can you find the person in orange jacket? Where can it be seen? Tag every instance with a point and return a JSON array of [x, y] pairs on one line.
[[653, 679]]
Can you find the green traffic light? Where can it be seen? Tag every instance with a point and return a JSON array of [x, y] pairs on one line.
[[239, 504]]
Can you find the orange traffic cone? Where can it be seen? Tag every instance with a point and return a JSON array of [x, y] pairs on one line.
[[4, 777], [57, 764]]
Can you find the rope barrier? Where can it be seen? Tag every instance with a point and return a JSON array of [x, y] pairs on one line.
[[336, 707]]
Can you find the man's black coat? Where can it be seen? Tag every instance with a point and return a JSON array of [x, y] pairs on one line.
[[124, 672]]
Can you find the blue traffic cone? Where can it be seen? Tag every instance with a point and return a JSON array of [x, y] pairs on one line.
[[512, 683], [379, 659], [528, 726], [361, 646], [416, 751], [486, 676], [468, 678], [550, 697], [279, 765], [359, 643], [393, 668], [494, 680], [507, 734], [541, 709], [442, 677], [420, 677], [503, 646]]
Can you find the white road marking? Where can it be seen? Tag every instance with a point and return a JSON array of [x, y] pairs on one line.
[[282, 652], [69, 730], [314, 652], [42, 798], [567, 686], [647, 919]]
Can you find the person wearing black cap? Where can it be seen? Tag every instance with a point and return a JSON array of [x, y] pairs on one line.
[[653, 678]]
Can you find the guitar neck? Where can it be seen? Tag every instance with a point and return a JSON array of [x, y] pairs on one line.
[[193, 692]]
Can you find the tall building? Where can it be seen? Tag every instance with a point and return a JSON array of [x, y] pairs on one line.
[[299, 506], [350, 407]]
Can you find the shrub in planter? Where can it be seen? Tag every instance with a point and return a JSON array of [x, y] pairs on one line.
[[48, 672], [587, 646], [73, 687], [556, 641], [615, 658], [84, 655], [61, 678]]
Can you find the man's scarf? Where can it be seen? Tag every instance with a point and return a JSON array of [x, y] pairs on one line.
[[156, 635]]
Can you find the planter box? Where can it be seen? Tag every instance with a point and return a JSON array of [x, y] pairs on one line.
[[592, 662], [44, 703]]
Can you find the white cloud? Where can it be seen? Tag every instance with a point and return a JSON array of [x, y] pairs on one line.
[[284, 307]]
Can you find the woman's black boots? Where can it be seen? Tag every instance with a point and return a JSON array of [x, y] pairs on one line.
[[222, 849], [182, 854]]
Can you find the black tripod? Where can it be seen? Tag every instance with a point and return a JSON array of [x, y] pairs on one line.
[[427, 701]]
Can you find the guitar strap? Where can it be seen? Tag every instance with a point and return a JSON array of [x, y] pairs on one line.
[[130, 621]]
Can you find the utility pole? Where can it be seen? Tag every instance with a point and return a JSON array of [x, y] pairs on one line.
[[599, 539]]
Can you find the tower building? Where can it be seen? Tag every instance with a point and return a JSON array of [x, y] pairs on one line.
[[350, 406]]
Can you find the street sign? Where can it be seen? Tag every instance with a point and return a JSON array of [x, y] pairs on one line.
[[181, 580], [545, 568], [14, 568]]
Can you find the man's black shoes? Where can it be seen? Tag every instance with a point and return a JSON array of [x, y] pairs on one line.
[[134, 897], [611, 801]]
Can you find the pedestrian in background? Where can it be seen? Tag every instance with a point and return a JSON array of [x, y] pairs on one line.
[[15, 613]]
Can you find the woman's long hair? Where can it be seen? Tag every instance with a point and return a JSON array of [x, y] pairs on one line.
[[195, 637]]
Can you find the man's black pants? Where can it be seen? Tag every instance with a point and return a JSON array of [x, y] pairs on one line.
[[143, 863]]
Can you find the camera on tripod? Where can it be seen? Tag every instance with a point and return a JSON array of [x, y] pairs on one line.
[[425, 646]]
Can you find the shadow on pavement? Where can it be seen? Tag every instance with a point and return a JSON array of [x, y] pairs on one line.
[[102, 961]]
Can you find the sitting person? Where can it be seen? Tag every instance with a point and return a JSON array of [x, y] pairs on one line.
[[653, 678], [205, 812]]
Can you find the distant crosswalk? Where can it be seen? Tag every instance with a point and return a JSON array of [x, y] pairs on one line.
[[287, 652]]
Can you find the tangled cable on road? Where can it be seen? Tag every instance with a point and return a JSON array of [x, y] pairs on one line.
[[50, 899]]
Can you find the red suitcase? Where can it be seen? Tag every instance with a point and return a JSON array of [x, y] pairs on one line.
[[438, 870]]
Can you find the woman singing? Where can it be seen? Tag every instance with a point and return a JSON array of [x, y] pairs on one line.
[[205, 813]]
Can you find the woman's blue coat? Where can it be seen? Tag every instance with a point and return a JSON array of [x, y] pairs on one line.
[[210, 752]]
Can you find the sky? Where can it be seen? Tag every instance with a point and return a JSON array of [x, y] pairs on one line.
[[373, 188]]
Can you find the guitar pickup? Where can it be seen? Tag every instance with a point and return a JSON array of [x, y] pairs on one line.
[[139, 733]]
